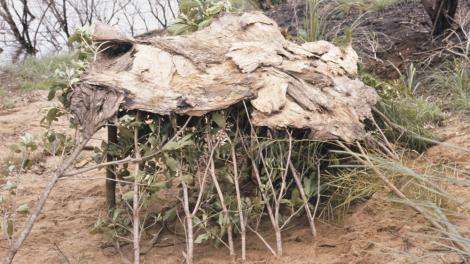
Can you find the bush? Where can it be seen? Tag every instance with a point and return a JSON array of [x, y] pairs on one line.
[[35, 73], [412, 116], [454, 79]]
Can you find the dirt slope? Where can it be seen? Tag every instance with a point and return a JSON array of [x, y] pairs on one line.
[[373, 232]]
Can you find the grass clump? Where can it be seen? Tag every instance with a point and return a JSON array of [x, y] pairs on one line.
[[35, 73], [366, 5], [344, 188], [5, 101], [416, 115], [312, 22], [455, 80], [408, 117]]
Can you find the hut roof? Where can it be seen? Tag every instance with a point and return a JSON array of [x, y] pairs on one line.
[[238, 57]]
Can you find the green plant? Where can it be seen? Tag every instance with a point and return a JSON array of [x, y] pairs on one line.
[[455, 80], [312, 25], [366, 5], [345, 187], [198, 14], [6, 102], [414, 115], [25, 148], [36, 73]]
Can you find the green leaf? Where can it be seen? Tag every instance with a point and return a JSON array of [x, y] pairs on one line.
[[215, 9], [128, 196], [201, 238], [116, 213], [286, 201], [295, 197], [155, 187], [170, 215], [204, 23], [15, 148], [125, 133], [10, 228], [175, 145], [23, 209], [171, 163], [219, 119], [307, 186], [179, 28], [52, 115], [10, 186]]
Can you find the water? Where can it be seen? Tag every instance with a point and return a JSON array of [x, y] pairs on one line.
[[133, 17]]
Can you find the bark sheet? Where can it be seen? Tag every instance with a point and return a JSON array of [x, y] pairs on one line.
[[238, 57]]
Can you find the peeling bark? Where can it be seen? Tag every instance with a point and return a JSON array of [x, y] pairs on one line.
[[238, 57]]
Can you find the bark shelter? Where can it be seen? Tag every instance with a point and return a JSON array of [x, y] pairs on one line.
[[238, 57]]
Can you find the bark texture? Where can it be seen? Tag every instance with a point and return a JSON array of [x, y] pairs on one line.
[[238, 57]]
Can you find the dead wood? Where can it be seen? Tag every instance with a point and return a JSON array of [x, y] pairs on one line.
[[238, 57]]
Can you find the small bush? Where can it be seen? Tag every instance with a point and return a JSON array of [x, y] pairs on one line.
[[366, 5], [455, 80], [414, 114], [36, 73]]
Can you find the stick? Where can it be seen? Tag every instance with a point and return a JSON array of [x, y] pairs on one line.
[[135, 198], [64, 165], [239, 202], [128, 159], [263, 240], [189, 225], [311, 219], [224, 208]]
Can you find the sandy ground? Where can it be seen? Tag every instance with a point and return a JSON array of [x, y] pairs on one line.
[[372, 232]]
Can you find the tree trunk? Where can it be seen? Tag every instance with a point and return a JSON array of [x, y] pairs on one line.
[[442, 14], [20, 36], [111, 170]]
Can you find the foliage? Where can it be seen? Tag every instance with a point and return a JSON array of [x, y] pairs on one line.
[[36, 73], [401, 106], [6, 102], [313, 22], [455, 80], [198, 14], [366, 5], [8, 206], [345, 187], [62, 80], [25, 147]]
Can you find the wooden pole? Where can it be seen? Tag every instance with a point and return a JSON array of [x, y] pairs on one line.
[[111, 170]]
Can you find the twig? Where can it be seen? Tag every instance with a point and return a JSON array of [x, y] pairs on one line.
[[239, 201], [404, 130], [263, 240], [189, 225], [123, 257], [311, 219], [273, 216], [224, 208], [135, 198], [65, 164], [128, 159], [153, 240], [62, 253]]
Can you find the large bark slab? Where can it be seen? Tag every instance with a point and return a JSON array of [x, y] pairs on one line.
[[238, 57]]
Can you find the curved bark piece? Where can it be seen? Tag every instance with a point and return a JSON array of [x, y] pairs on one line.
[[238, 57]]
